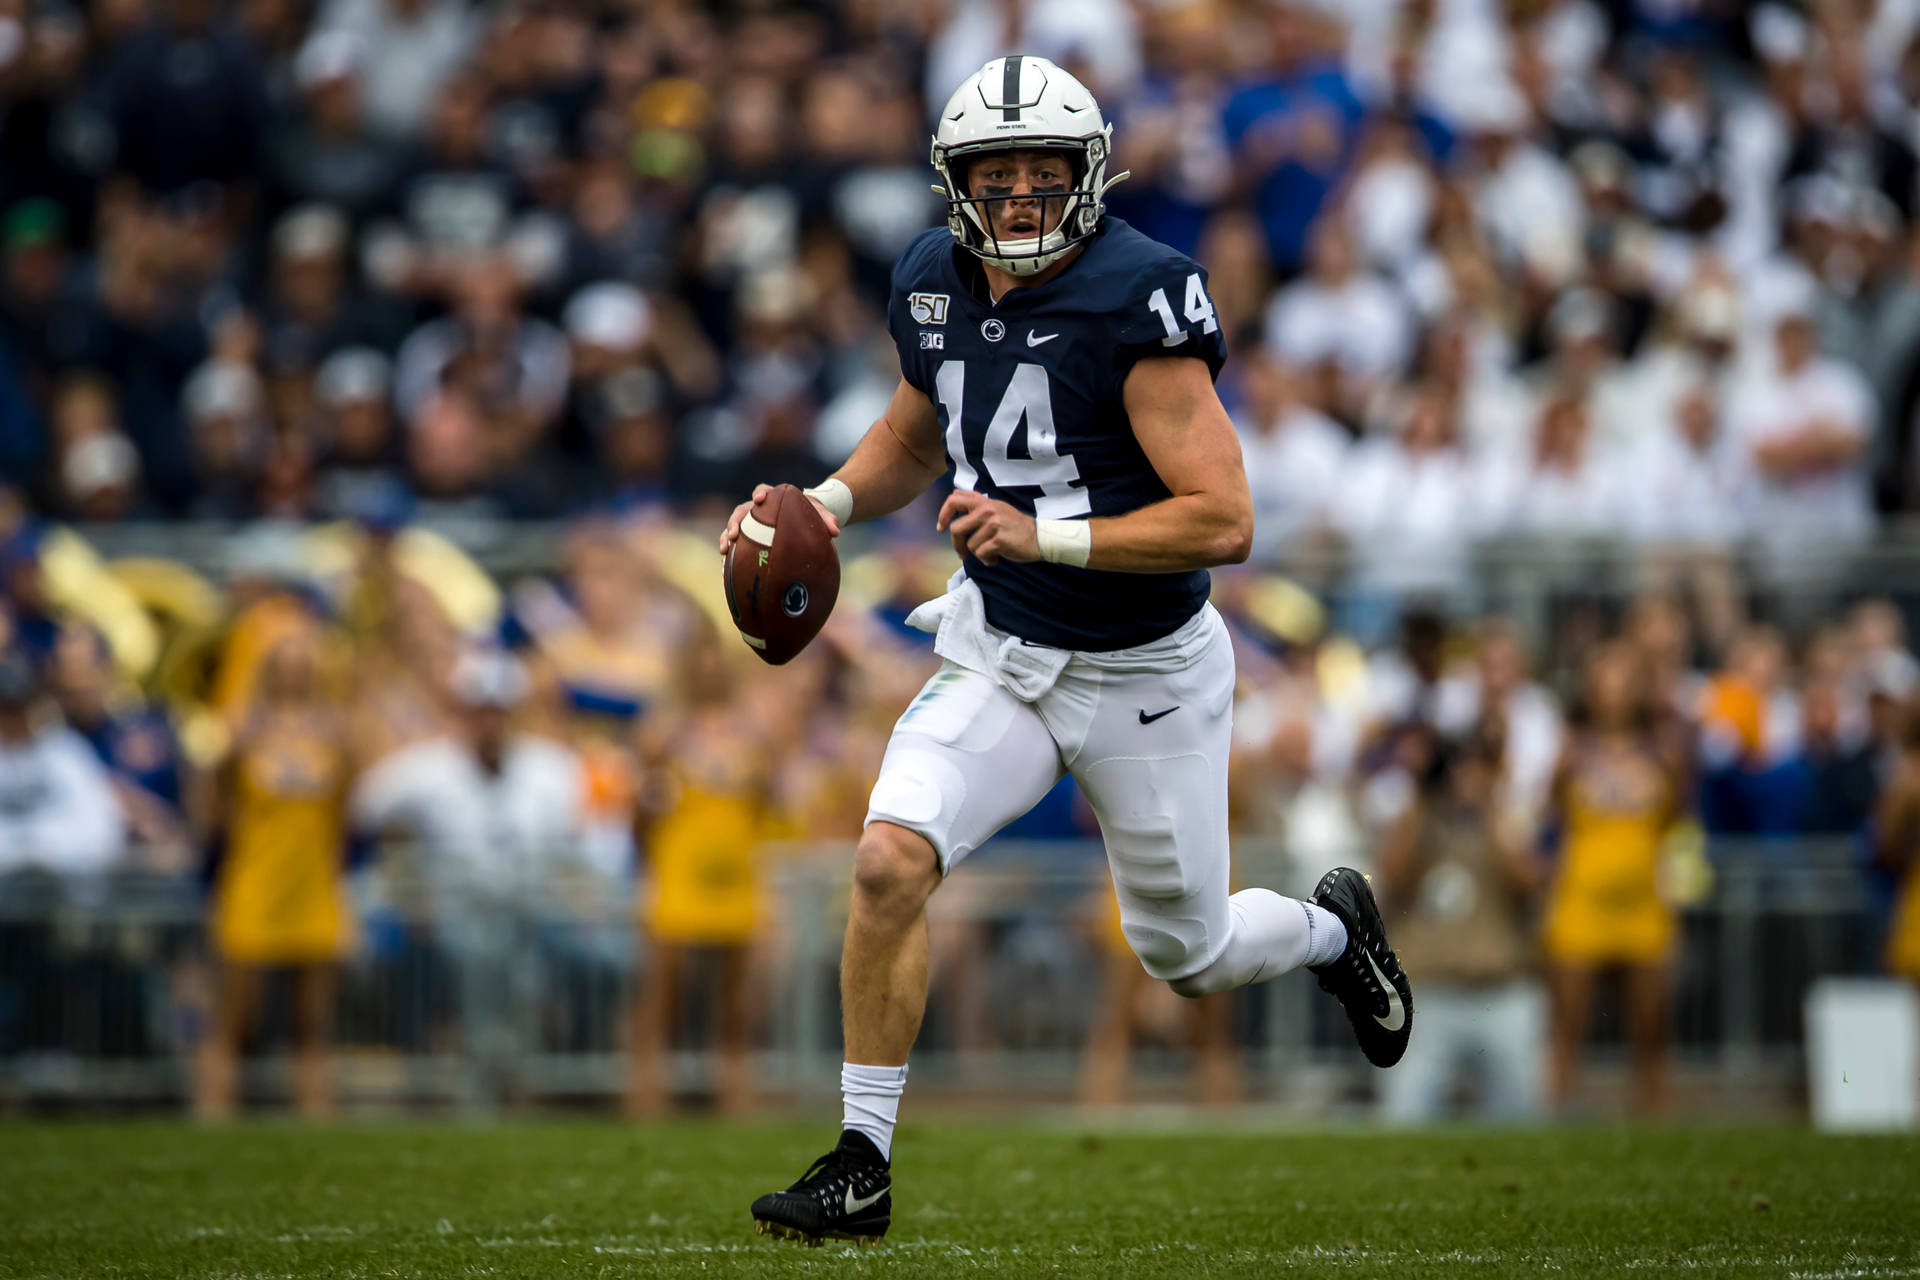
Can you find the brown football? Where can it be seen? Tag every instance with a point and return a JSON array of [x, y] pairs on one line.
[[782, 575]]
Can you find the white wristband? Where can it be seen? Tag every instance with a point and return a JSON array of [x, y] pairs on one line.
[[1065, 541], [834, 496]]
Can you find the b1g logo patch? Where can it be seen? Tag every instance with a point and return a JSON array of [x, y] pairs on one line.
[[928, 308], [933, 341]]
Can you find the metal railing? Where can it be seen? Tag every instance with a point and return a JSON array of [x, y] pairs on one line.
[[106, 989]]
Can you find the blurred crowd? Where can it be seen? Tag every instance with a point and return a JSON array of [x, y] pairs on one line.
[[363, 756], [1546, 268], [348, 278]]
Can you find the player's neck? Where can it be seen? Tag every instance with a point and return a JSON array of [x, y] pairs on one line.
[[1001, 283]]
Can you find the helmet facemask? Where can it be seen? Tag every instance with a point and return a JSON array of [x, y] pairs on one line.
[[970, 214]]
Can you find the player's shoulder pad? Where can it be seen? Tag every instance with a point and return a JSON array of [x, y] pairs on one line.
[[1122, 263], [1155, 296], [923, 261]]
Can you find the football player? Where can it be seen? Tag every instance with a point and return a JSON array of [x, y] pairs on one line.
[[1061, 365]]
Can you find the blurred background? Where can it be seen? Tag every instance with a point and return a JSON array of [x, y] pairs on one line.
[[375, 376]]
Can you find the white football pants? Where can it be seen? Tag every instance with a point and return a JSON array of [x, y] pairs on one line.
[[1145, 732]]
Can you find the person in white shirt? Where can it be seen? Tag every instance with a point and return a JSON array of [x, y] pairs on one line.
[[1523, 194], [1390, 200], [1341, 320], [1807, 429], [1562, 489], [411, 48], [58, 811], [1683, 502], [1408, 505], [496, 818], [1293, 456], [1498, 691], [1586, 364]]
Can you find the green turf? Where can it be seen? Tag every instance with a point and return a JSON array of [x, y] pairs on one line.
[[605, 1199]]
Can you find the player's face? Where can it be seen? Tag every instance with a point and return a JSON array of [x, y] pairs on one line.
[[1026, 191]]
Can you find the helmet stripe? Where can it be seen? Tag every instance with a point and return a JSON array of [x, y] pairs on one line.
[[1010, 88]]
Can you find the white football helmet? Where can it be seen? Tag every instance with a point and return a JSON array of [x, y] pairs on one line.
[[1014, 103]]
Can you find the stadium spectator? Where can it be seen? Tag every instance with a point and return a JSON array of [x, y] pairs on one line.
[[48, 321], [1498, 698], [1749, 723], [707, 808], [226, 409], [359, 467], [150, 777], [186, 100], [1563, 489], [635, 436], [97, 469], [456, 199], [1294, 455], [1460, 879], [1340, 324], [1616, 793], [495, 816], [58, 812], [309, 308], [1829, 785], [1409, 510], [408, 49], [1292, 128], [33, 616], [279, 899], [1896, 835], [1807, 429], [322, 150]]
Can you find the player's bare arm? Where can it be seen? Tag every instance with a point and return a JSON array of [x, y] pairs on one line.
[[894, 463], [1187, 436]]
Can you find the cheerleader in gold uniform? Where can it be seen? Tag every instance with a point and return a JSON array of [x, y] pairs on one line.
[[279, 898], [710, 813], [1897, 849], [1616, 793]]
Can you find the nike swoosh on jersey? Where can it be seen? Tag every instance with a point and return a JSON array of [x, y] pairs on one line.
[[1149, 719], [855, 1206], [1034, 339], [1396, 1013]]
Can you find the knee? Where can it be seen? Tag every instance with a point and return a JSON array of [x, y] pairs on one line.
[[1204, 983], [894, 871], [1168, 956]]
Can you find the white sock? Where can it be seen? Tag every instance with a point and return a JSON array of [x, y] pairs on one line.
[[1269, 935], [870, 1101], [1326, 936]]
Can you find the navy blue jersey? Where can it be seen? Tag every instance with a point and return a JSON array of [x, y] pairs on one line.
[[1029, 397]]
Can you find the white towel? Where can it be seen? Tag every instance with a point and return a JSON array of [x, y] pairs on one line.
[[963, 636]]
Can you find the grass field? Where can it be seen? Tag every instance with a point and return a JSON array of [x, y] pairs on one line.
[[607, 1200]]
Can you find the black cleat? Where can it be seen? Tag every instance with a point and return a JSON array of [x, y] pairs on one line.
[[847, 1194], [1366, 978]]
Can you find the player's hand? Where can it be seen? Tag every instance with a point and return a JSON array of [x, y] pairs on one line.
[[732, 531], [987, 530]]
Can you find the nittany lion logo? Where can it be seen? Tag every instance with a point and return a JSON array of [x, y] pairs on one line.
[[928, 308]]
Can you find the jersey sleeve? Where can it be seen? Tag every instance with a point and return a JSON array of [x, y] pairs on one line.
[[905, 336], [911, 317], [1168, 312]]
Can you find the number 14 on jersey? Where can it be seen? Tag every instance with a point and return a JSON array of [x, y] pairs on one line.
[[1198, 306]]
